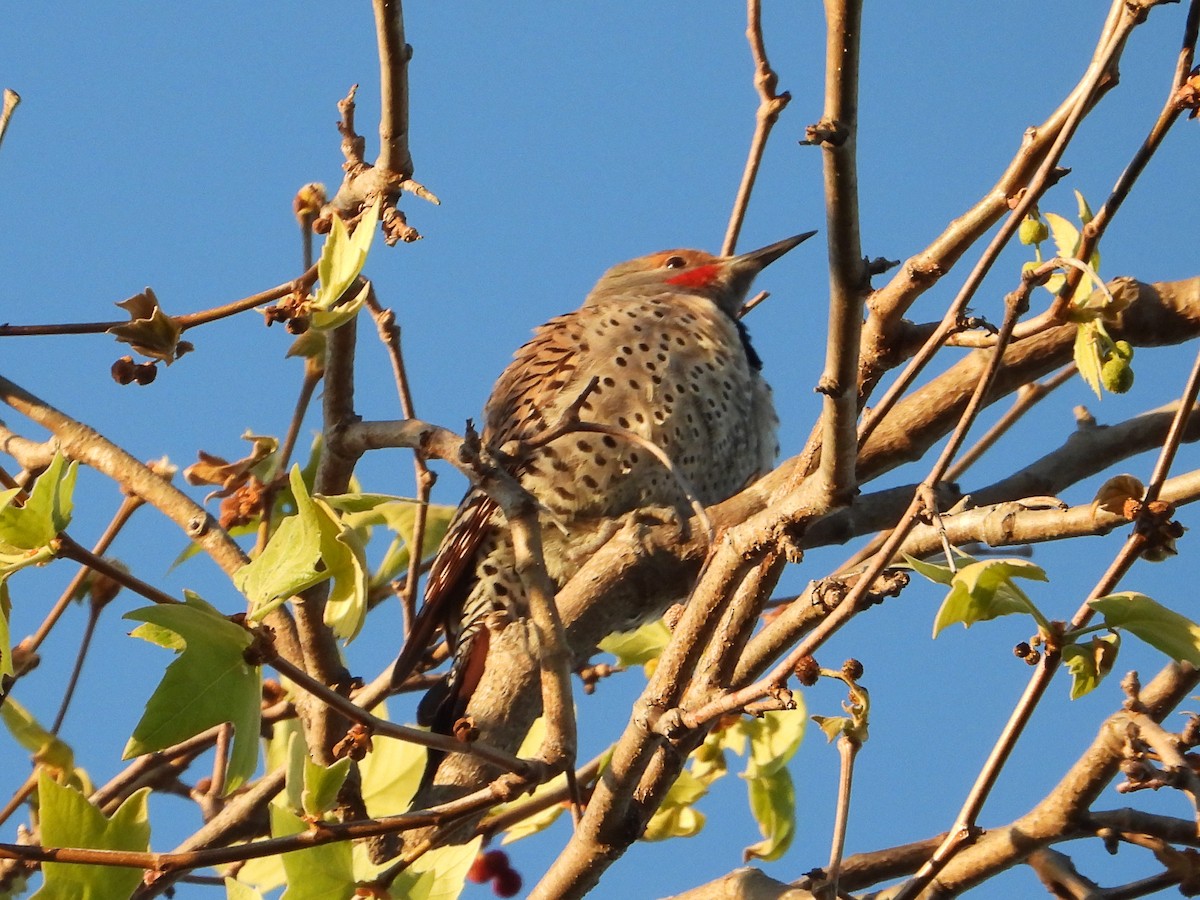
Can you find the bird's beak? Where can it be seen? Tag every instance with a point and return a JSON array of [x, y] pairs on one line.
[[757, 260]]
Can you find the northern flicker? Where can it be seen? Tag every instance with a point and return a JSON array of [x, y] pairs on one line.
[[672, 363]]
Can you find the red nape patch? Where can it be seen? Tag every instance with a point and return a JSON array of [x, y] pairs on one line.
[[701, 276]]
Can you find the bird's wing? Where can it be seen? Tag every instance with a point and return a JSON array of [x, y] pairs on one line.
[[532, 384]]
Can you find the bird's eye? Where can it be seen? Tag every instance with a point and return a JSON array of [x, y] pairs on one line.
[[675, 262]]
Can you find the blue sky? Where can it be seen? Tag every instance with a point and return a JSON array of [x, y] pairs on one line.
[[161, 144]]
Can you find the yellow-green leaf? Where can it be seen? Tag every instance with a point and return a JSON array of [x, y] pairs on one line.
[[323, 872], [773, 804], [676, 817], [1160, 627], [437, 875], [344, 556], [209, 683], [343, 257], [235, 890], [68, 820], [291, 561], [48, 750], [391, 774], [638, 647], [774, 739], [984, 590], [1089, 663], [45, 513]]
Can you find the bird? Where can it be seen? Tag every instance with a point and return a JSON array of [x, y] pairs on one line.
[[656, 355]]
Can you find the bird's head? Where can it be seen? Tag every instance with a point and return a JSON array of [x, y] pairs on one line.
[[725, 280]]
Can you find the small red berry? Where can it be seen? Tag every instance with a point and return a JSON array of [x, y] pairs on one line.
[[507, 883], [487, 866]]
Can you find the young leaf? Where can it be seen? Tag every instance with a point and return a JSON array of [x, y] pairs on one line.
[[321, 785], [291, 561], [45, 513], [773, 804], [638, 647], [343, 257], [1088, 359], [1162, 628], [209, 683], [49, 751], [774, 739], [235, 890], [1089, 663], [984, 590], [677, 817], [323, 872], [391, 774], [6, 663], [343, 553], [437, 875], [68, 820]]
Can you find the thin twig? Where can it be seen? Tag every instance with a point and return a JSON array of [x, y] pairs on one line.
[[1037, 185], [356, 713], [69, 549], [189, 320], [1124, 560], [770, 105], [389, 335]]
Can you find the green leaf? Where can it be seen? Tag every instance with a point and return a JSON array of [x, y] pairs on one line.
[[984, 590], [291, 561], [6, 661], [344, 555], [676, 817], [1088, 359], [323, 872], [343, 257], [437, 875], [773, 804], [235, 890], [1089, 663], [45, 513], [1161, 628], [391, 774], [327, 320], [209, 683], [48, 750], [774, 739], [640, 646], [321, 785], [834, 726], [68, 820], [934, 572]]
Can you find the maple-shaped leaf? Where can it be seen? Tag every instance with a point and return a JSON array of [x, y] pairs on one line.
[[985, 590], [1174, 634], [343, 257], [68, 820], [1089, 663], [150, 331], [291, 561], [323, 872], [363, 511], [47, 511], [208, 684]]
